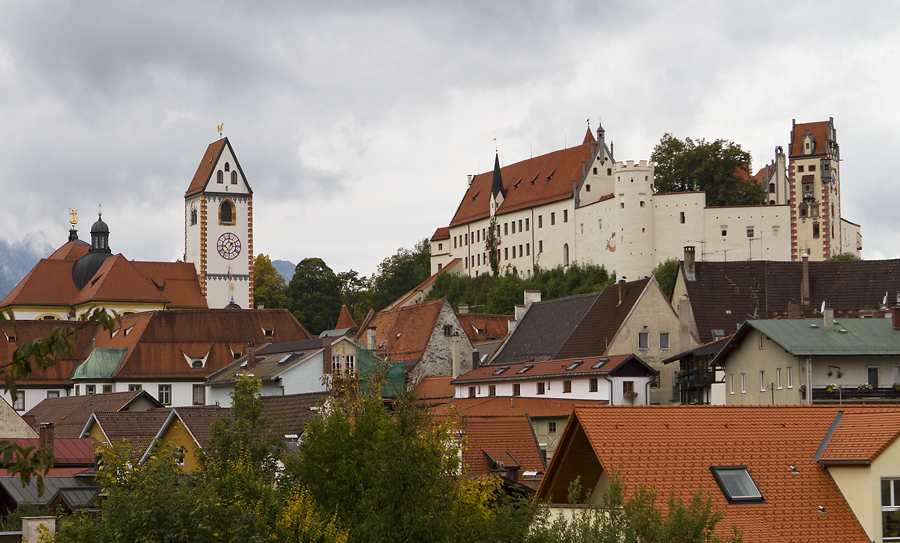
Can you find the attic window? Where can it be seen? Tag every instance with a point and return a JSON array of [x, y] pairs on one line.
[[500, 370], [268, 333], [524, 369], [197, 364], [475, 195], [285, 358], [517, 184], [11, 339], [227, 167], [736, 483], [549, 177], [574, 365], [535, 178], [718, 334], [599, 364]]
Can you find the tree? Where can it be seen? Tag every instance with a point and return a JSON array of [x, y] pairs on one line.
[[314, 295], [355, 293], [666, 273], [492, 246], [401, 273], [845, 257], [719, 168], [268, 284]]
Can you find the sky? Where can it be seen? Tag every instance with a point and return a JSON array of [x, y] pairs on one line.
[[356, 123]]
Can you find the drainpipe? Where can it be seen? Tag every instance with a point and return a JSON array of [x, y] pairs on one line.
[[809, 380], [611, 400]]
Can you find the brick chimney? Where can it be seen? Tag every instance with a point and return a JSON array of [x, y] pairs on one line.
[[370, 338], [621, 291], [463, 309], [45, 437], [690, 263], [804, 283], [895, 317], [251, 356], [326, 355]]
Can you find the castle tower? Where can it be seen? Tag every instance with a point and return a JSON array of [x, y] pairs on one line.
[[815, 191], [218, 228]]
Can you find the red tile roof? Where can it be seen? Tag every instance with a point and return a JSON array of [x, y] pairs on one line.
[[424, 287], [539, 180], [345, 320], [860, 436], [435, 390], [483, 326], [441, 233], [66, 451], [819, 131], [139, 428], [672, 449], [206, 167], [549, 368], [72, 250], [69, 414], [404, 332], [506, 406], [29, 331]]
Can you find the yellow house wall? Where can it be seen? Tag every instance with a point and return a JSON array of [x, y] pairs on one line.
[[96, 432], [749, 360], [177, 435]]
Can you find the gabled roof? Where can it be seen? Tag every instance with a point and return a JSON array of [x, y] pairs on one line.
[[197, 420], [435, 390], [726, 294], [137, 427], [809, 337], [28, 331], [165, 343], [345, 320], [271, 361], [72, 250], [672, 448], [484, 327], [860, 436], [208, 166], [70, 413], [819, 131], [423, 288], [441, 233], [288, 413], [571, 327], [506, 406], [30, 494], [117, 280], [404, 332], [539, 180], [583, 367], [67, 452]]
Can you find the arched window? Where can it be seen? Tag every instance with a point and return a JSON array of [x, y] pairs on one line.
[[226, 213], [193, 217], [566, 254], [234, 178], [227, 167], [219, 177]]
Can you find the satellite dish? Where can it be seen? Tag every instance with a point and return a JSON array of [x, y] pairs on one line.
[[823, 307], [884, 302]]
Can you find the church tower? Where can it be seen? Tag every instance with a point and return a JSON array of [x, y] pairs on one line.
[[218, 228], [815, 191]]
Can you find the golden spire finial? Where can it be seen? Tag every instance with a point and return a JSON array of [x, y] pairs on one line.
[[99, 210], [220, 128], [74, 219]]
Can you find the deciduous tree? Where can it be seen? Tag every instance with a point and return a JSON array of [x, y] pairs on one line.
[[268, 284], [314, 295]]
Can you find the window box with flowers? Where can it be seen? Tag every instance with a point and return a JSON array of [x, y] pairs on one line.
[[865, 387], [832, 388], [630, 394]]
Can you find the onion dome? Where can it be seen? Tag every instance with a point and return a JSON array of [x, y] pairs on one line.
[[86, 266]]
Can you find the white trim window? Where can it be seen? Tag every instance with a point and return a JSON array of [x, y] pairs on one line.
[[762, 381], [165, 394], [743, 383], [664, 340], [790, 377], [890, 509], [778, 378], [731, 383]]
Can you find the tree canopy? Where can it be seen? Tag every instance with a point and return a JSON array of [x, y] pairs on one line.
[[400, 273], [720, 168], [666, 273], [314, 295], [268, 284]]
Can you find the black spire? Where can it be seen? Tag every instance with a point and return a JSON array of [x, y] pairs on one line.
[[497, 185]]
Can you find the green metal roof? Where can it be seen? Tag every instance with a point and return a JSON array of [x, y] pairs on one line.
[[101, 364]]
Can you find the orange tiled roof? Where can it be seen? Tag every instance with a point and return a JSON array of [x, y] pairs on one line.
[[404, 332], [72, 250], [539, 180], [431, 389], [27, 332], [860, 436], [547, 368], [345, 320], [441, 233], [819, 131], [484, 327], [506, 406], [672, 449], [206, 167]]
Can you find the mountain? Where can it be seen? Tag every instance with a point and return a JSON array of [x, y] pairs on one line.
[[285, 268], [17, 258]]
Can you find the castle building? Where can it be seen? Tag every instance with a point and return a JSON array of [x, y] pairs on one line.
[[579, 205], [218, 228]]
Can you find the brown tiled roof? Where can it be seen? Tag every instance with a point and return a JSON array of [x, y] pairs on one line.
[[28, 331], [441, 233], [48, 283], [672, 449], [506, 406], [66, 451], [137, 427], [819, 131], [198, 420], [177, 281], [726, 294], [483, 326], [72, 250], [553, 368], [69, 414], [539, 180], [159, 340], [424, 286], [404, 332], [206, 167], [118, 281], [571, 327], [435, 390], [860, 436], [288, 414], [345, 320]]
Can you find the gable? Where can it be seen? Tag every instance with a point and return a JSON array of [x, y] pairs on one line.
[[574, 457], [217, 155]]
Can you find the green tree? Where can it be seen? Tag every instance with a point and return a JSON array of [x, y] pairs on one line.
[[268, 284], [314, 295], [400, 273], [355, 293], [666, 273], [720, 168], [845, 257], [492, 245]]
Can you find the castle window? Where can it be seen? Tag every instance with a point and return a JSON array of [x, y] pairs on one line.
[[608, 171], [520, 225], [552, 218], [506, 253], [234, 178], [506, 228], [800, 168], [565, 254], [226, 213], [816, 230], [219, 177], [527, 226], [749, 231], [587, 188], [812, 167], [724, 230], [771, 188], [642, 203], [540, 221], [565, 215], [540, 246], [227, 167]]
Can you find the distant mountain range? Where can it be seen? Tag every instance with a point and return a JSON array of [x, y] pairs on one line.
[[17, 258], [285, 268]]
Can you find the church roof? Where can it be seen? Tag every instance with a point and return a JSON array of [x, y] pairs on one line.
[[536, 181], [208, 165], [72, 250]]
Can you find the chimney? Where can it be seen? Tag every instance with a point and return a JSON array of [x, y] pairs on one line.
[[804, 283], [895, 317], [251, 356], [532, 296], [684, 322], [476, 360], [455, 355], [828, 318], [370, 338], [260, 305], [621, 291], [463, 309], [793, 309], [45, 437], [690, 261], [326, 355]]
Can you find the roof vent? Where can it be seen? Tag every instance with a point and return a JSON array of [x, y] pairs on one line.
[[813, 325], [794, 471]]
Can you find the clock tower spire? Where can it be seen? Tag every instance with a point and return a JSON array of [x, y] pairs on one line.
[[218, 228]]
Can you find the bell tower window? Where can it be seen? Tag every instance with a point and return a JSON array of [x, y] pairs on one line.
[[227, 167], [234, 178], [226, 213], [193, 217]]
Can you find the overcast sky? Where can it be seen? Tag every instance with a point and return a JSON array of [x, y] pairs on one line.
[[356, 123]]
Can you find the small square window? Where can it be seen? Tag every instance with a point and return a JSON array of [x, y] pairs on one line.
[[90, 389], [540, 388], [53, 394], [593, 384], [492, 390], [107, 389], [135, 388], [643, 340], [800, 168], [517, 389], [736, 483], [551, 427], [19, 404], [567, 387]]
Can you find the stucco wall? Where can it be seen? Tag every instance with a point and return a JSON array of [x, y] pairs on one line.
[[750, 360], [437, 359]]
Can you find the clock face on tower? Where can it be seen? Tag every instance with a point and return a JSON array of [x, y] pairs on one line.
[[229, 246]]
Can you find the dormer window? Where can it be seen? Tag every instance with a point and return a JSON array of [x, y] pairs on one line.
[[500, 370], [736, 483], [574, 365], [197, 364]]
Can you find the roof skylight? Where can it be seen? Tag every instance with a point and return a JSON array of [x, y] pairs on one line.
[[599, 364], [736, 483], [574, 365], [500, 370], [524, 369]]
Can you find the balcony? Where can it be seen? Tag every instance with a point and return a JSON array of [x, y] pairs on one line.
[[851, 394]]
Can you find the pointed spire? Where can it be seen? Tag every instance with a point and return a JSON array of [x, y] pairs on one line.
[[345, 320], [497, 185]]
